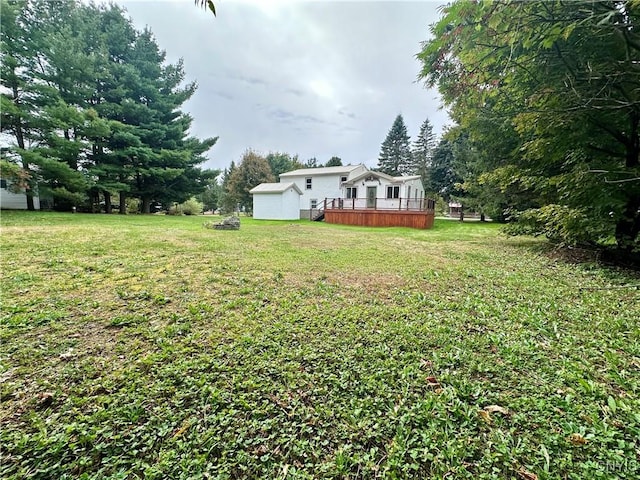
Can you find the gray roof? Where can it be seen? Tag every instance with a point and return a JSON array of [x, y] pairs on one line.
[[275, 188], [406, 178], [320, 171]]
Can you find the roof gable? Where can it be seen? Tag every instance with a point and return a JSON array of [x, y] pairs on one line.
[[381, 176], [275, 188], [373, 175], [407, 178]]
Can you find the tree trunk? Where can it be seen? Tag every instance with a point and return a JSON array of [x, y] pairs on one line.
[[461, 217], [483, 218], [628, 227], [29, 192], [94, 196], [146, 205], [72, 162], [123, 204], [107, 201], [633, 145]]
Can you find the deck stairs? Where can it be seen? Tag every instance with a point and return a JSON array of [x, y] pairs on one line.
[[317, 215]]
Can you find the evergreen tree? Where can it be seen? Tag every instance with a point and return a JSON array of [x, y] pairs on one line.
[[227, 201], [334, 162], [282, 162], [211, 196], [93, 108], [21, 96], [422, 152], [114, 144], [44, 77], [311, 163], [395, 154], [442, 179]]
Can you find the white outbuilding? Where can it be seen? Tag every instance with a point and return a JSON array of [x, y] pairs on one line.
[[14, 200], [276, 201]]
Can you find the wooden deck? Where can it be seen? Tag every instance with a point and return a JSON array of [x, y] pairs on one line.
[[396, 213]]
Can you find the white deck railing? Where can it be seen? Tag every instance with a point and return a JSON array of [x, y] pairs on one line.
[[397, 204]]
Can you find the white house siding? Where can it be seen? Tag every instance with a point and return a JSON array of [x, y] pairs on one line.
[[323, 185], [15, 201], [411, 192], [277, 205]]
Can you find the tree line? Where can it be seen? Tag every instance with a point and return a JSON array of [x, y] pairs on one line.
[[94, 110], [546, 102], [431, 158]]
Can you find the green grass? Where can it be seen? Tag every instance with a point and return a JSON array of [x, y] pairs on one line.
[[151, 347]]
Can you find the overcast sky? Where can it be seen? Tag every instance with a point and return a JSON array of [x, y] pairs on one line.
[[313, 78]]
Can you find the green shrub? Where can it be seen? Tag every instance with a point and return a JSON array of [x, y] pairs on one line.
[[190, 207], [559, 223], [133, 205]]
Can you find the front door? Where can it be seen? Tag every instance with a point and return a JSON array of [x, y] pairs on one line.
[[371, 197]]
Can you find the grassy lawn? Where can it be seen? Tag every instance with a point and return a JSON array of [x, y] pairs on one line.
[[151, 347]]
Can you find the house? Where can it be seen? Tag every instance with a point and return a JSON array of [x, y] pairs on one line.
[[14, 201], [276, 201], [317, 184], [352, 195], [383, 191], [376, 199], [454, 209]]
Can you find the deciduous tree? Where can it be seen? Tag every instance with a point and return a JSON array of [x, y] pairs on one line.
[[562, 78], [252, 171]]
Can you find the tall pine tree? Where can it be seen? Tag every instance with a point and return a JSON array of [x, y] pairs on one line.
[[93, 108], [395, 154], [422, 151]]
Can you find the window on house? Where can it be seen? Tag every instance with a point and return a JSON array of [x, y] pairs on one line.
[[308, 183], [343, 179], [314, 203], [352, 192], [393, 192], [3, 183]]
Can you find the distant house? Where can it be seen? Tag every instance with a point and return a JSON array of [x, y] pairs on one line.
[[351, 195], [276, 201], [14, 201], [454, 209]]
